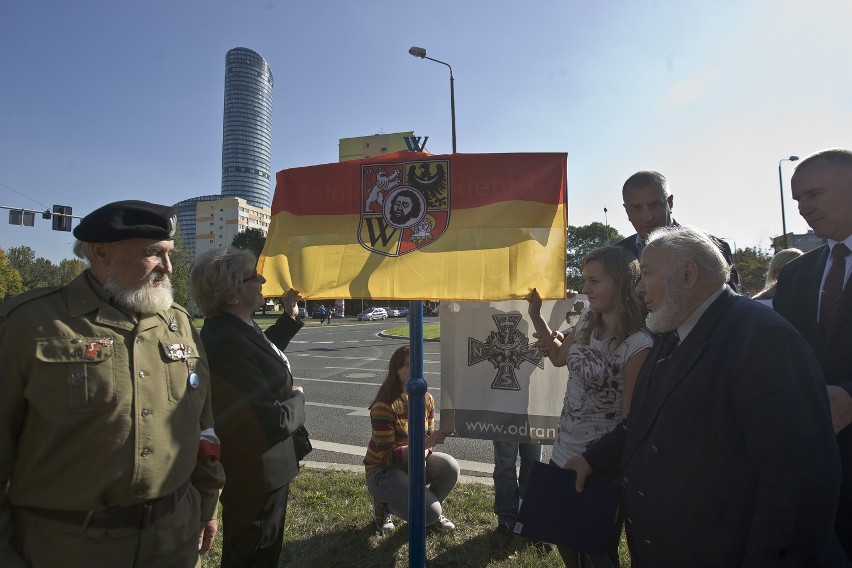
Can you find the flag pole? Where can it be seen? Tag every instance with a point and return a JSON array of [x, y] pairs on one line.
[[416, 388]]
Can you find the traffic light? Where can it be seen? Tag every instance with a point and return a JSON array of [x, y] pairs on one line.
[[61, 218]]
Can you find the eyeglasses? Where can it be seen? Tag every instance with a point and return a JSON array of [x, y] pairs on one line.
[[256, 276]]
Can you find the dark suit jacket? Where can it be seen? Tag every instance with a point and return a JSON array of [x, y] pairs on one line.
[[796, 296], [728, 451], [734, 281], [254, 408]]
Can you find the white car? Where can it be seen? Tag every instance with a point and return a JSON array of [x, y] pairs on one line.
[[371, 314]]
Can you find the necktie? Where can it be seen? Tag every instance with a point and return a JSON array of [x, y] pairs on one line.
[[832, 289], [670, 342]]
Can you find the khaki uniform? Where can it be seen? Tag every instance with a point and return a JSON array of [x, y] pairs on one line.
[[99, 410]]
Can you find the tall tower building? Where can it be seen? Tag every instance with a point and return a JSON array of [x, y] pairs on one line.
[[247, 128]]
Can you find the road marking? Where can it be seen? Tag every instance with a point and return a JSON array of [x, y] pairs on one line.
[[377, 370], [360, 469], [361, 450], [350, 358], [434, 389], [355, 410]]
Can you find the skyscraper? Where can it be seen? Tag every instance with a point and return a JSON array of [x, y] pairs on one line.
[[247, 128]]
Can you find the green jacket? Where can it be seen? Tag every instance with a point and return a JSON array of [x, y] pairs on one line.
[[99, 409]]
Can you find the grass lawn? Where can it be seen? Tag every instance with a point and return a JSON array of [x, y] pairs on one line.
[[430, 331], [329, 524]]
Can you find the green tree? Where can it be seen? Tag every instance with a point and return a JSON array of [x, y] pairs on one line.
[[37, 272], [251, 239], [181, 267], [581, 241], [69, 269], [752, 265], [11, 283]]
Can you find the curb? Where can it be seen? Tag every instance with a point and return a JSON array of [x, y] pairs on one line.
[[388, 335], [360, 469]]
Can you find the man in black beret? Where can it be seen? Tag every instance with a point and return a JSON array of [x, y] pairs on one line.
[[106, 429]]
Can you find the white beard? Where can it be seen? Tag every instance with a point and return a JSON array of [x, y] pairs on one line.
[[151, 297], [665, 318]]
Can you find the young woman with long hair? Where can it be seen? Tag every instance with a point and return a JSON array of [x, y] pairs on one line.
[[386, 462], [604, 353]]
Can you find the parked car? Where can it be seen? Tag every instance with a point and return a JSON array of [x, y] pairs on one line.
[[403, 311], [393, 312], [371, 314], [303, 313], [319, 312]]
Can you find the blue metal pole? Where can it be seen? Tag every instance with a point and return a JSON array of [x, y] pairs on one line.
[[416, 388]]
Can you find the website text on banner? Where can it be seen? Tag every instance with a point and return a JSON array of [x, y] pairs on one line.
[[494, 383], [410, 225]]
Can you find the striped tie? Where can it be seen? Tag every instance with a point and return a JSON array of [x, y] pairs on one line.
[[832, 290]]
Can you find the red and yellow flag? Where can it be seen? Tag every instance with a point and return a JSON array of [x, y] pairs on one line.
[[410, 226]]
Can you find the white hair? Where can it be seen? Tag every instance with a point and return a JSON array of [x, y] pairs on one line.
[[686, 244]]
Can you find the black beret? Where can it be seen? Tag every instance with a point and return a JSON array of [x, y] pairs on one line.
[[127, 220]]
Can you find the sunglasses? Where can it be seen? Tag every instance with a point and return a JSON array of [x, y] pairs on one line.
[[255, 276]]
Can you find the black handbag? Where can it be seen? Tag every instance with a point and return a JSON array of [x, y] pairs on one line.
[[301, 442]]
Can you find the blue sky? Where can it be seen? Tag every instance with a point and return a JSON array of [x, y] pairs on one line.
[[103, 100]]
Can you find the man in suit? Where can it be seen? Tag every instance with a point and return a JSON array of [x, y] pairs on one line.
[[812, 295], [728, 453], [648, 204]]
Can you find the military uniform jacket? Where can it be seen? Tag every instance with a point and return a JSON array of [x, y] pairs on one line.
[[728, 453], [99, 409]]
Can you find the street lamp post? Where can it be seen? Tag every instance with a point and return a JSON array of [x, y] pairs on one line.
[[416, 388], [781, 186], [421, 53]]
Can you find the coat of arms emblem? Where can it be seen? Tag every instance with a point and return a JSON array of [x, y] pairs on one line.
[[405, 206]]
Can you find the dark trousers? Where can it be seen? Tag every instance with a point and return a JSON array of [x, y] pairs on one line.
[[253, 528]]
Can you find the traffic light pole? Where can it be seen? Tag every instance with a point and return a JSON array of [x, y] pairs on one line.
[[61, 215]]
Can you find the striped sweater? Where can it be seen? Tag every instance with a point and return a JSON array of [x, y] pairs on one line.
[[388, 446]]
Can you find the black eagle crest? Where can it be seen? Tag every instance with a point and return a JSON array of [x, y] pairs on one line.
[[432, 185]]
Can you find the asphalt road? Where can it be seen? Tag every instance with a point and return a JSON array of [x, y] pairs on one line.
[[341, 366]]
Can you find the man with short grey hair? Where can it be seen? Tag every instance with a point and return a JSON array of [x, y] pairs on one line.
[[728, 454], [107, 451], [813, 294], [648, 205]]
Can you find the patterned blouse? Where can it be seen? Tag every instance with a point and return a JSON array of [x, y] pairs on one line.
[[593, 399], [390, 433]]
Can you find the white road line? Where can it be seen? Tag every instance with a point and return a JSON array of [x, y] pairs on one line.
[[297, 379], [355, 411], [349, 358], [382, 371], [360, 469], [361, 450]]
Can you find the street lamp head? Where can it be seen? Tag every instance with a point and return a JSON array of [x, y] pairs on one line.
[[417, 52], [793, 158]]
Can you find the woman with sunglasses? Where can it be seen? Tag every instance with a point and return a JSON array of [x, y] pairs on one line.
[[256, 408]]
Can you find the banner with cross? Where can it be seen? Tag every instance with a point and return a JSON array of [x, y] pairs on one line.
[[494, 383]]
